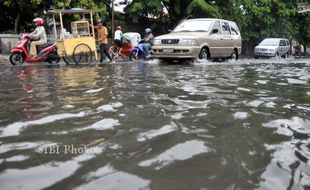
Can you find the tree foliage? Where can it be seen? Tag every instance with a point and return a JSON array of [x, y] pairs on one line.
[[15, 14]]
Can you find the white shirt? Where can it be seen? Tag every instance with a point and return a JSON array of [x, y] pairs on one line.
[[39, 33], [118, 35]]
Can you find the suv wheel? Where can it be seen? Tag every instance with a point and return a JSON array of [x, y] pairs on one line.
[[204, 54], [234, 55], [286, 55]]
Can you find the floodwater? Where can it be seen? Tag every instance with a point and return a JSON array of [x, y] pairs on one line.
[[150, 125]]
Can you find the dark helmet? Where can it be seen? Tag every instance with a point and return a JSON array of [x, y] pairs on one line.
[[148, 31]]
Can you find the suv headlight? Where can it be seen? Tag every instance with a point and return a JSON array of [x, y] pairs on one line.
[[188, 42], [157, 42]]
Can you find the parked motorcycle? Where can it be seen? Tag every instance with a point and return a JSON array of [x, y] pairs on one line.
[[298, 50], [20, 53]]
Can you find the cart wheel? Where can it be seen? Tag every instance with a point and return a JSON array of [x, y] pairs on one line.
[[68, 59], [53, 57], [82, 54]]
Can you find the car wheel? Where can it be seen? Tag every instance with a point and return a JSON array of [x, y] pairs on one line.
[[286, 55], [204, 54], [276, 55], [234, 55]]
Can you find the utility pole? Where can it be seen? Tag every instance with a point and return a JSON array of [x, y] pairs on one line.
[[112, 28]]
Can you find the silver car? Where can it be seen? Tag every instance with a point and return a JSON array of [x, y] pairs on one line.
[[272, 47]]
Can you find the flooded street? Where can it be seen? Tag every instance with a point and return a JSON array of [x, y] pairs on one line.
[[151, 125]]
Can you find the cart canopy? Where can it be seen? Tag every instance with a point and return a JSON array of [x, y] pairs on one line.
[[70, 11]]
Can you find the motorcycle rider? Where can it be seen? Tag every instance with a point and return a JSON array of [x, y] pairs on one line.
[[148, 41], [38, 36], [139, 48]]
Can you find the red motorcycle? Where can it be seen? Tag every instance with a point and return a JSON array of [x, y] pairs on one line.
[[20, 54]]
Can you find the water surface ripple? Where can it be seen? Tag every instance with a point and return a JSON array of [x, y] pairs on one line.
[[243, 125]]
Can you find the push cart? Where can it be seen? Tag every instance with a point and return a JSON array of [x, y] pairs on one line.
[[80, 44]]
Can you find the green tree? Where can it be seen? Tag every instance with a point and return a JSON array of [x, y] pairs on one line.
[[265, 18], [302, 23], [177, 9], [17, 11]]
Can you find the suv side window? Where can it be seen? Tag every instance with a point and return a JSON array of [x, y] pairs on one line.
[[217, 25], [234, 29], [225, 28], [282, 43], [287, 43]]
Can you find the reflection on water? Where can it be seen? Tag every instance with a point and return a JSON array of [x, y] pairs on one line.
[[113, 179], [151, 125], [183, 151], [15, 128], [290, 126], [157, 132]]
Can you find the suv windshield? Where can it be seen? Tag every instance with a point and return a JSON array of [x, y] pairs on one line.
[[193, 26], [269, 42]]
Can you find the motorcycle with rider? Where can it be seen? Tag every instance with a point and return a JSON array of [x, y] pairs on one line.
[[35, 42], [142, 50]]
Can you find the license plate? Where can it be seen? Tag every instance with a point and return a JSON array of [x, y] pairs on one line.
[[168, 50]]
